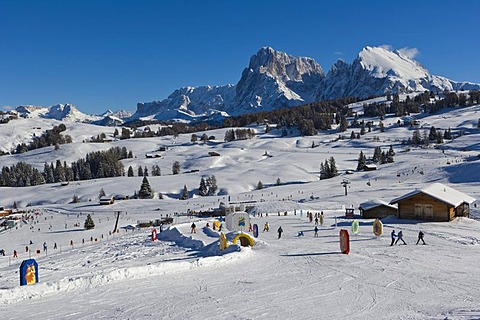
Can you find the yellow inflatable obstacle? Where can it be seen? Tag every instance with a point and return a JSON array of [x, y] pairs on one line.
[[223, 241], [245, 240]]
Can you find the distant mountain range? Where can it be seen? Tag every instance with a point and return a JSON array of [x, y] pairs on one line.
[[274, 80]]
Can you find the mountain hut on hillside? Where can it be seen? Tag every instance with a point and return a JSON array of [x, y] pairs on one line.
[[376, 209], [107, 200], [436, 202]]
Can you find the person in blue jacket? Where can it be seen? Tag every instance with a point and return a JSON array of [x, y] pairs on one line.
[[392, 235]]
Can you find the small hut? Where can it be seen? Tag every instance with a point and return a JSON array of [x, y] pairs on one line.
[[376, 209], [436, 202]]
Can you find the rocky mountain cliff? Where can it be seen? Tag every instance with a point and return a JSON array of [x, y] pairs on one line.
[[272, 80]]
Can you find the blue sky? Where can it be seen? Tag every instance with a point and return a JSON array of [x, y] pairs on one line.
[[103, 55]]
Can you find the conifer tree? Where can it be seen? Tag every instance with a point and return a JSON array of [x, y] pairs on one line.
[[377, 153], [259, 185], [130, 171], [203, 189], [140, 171], [146, 191], [176, 167], [361, 161], [212, 185], [333, 167], [89, 224], [184, 194]]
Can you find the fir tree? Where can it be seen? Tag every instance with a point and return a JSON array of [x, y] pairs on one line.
[[176, 167], [130, 171], [259, 185], [89, 224], [140, 171], [212, 185], [145, 172], [184, 194], [146, 191], [333, 167], [75, 199], [203, 189], [377, 153], [361, 162]]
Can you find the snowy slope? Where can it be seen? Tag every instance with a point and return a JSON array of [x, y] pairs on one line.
[[184, 276]]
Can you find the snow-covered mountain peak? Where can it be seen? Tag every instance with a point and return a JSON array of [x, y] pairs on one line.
[[382, 63]]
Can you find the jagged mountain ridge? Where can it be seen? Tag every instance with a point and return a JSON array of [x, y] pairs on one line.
[[275, 80]]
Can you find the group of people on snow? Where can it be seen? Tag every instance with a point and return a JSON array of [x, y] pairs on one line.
[[399, 237]]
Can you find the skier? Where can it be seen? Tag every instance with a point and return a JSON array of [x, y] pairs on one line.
[[44, 246], [55, 245], [250, 228], [193, 228], [400, 237], [393, 235], [15, 255], [316, 220], [420, 237], [280, 230], [265, 227], [316, 231]]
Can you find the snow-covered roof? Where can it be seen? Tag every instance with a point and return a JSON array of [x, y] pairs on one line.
[[440, 192], [374, 203]]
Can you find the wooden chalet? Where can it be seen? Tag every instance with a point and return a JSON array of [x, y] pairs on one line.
[[107, 200], [436, 202], [376, 209]]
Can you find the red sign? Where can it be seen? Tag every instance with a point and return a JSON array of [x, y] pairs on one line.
[[154, 234]]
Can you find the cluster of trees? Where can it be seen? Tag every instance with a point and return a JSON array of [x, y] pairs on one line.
[[429, 136], [379, 156], [51, 137], [239, 134], [328, 169], [20, 175], [208, 186], [143, 171], [98, 164], [420, 103]]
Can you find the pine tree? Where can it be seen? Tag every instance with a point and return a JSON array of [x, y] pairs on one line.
[[176, 167], [89, 224], [194, 138], [140, 171], [416, 138], [130, 171], [146, 191], [75, 199], [184, 194], [259, 185], [212, 185], [145, 172], [383, 158], [361, 161], [203, 189], [382, 127], [333, 167], [377, 153]]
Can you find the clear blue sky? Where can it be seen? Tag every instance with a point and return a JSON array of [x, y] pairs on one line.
[[113, 54]]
